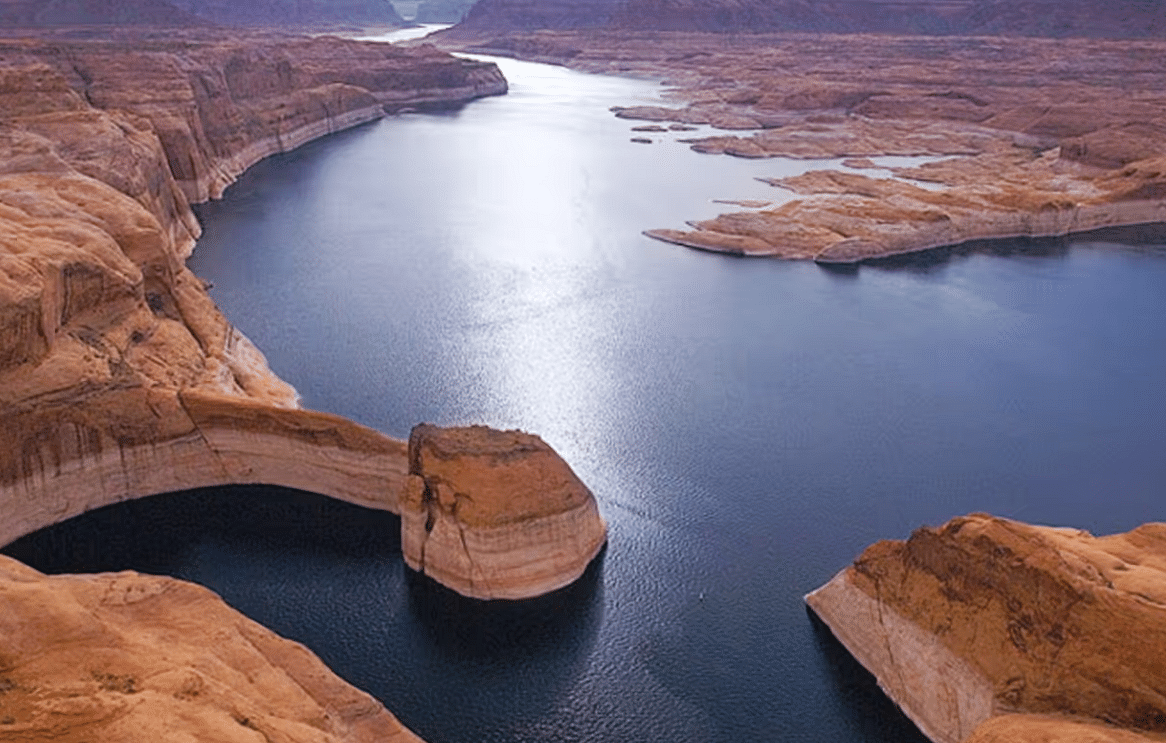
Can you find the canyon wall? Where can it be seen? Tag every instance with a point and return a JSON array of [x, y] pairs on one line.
[[987, 629], [118, 375]]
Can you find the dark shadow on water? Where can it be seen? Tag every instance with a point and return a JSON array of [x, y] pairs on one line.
[[1150, 238], [488, 630], [870, 713], [155, 534]]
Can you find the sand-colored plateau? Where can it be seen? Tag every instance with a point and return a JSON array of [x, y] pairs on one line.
[[1033, 137], [129, 657], [988, 630], [496, 514]]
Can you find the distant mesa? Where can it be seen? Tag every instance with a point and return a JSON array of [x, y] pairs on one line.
[[182, 13], [1067, 18], [495, 514], [987, 630]]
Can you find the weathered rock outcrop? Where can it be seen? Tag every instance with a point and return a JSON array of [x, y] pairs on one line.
[[118, 376], [495, 514], [986, 617], [130, 657], [1041, 138]]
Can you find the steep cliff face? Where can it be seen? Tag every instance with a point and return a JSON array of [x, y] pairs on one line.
[[113, 354], [130, 657], [495, 514], [984, 617]]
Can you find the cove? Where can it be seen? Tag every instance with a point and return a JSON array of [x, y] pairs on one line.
[[748, 426]]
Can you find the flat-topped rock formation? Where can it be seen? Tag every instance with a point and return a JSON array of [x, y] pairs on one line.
[[495, 514], [187, 13], [129, 657], [1048, 18], [1039, 137], [988, 630], [284, 13], [118, 375]]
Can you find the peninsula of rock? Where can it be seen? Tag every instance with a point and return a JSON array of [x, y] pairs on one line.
[[118, 375], [987, 630], [1029, 137], [496, 514], [129, 657]]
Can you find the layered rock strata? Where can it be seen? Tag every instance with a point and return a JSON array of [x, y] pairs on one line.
[[495, 514], [987, 629], [118, 375], [1038, 138], [128, 657]]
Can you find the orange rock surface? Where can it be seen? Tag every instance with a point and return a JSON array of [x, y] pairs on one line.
[[129, 657], [496, 514], [113, 354], [1040, 137], [985, 617]]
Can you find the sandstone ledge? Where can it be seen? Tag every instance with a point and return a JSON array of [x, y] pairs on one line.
[[131, 657], [496, 514], [59, 462], [986, 617], [119, 377]]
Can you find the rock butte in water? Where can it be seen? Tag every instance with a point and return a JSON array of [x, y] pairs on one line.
[[129, 657], [1039, 137], [989, 630], [496, 514]]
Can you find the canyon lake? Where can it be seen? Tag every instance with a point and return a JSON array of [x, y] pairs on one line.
[[748, 426]]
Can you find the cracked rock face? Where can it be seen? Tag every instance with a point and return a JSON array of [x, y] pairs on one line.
[[987, 629], [495, 514], [129, 657]]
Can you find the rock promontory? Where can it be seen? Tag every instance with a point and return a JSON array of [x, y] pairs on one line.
[[119, 377], [129, 657], [988, 630], [495, 514]]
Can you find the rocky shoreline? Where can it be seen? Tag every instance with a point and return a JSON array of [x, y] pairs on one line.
[[987, 629], [120, 378], [1032, 137]]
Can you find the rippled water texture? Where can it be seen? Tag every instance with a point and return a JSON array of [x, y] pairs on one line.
[[748, 426]]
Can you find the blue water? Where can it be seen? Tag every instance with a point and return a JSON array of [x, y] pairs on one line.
[[748, 426]]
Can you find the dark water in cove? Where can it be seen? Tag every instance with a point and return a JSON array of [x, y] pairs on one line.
[[748, 426]]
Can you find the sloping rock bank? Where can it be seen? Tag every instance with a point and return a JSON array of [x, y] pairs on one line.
[[118, 375], [989, 630], [128, 657]]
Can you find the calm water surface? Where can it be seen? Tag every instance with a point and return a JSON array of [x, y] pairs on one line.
[[748, 426]]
